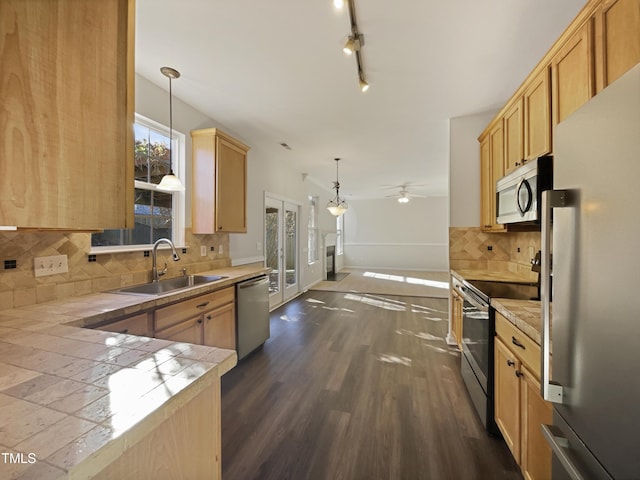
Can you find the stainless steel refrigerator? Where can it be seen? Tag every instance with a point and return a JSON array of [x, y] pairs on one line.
[[591, 224]]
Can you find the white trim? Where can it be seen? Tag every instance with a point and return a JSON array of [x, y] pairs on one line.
[[246, 260], [398, 244], [281, 198], [368, 267]]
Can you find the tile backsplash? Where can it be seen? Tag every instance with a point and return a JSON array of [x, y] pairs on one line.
[[470, 248], [19, 285]]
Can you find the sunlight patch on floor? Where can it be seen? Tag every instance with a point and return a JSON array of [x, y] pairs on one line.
[[389, 358], [376, 302], [409, 280], [420, 335], [313, 300]]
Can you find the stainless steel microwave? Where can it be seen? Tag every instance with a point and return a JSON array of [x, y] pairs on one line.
[[519, 194]]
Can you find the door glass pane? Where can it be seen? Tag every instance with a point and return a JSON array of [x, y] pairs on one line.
[[290, 247], [271, 247]]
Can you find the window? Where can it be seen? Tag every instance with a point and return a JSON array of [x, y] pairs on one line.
[[157, 214], [313, 230], [339, 238]]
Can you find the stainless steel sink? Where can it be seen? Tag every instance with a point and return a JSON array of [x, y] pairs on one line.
[[169, 285]]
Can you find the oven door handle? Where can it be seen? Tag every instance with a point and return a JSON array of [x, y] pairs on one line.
[[471, 298]]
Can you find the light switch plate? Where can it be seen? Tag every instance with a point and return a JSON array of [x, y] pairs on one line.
[[52, 265], [220, 250], [203, 250]]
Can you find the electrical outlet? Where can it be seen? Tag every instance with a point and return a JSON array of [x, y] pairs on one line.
[[220, 249], [52, 265], [203, 250]]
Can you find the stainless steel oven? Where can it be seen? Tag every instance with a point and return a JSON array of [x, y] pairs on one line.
[[478, 330]]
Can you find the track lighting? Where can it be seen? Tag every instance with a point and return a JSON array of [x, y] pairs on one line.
[[339, 4], [354, 44]]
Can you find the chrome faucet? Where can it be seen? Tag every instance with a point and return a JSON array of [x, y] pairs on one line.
[[155, 274]]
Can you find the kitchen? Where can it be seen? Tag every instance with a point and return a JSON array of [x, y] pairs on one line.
[[114, 270]]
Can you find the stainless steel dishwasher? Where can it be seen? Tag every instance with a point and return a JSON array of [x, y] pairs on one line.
[[252, 297]]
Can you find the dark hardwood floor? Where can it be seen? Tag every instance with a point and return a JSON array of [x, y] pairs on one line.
[[356, 387]]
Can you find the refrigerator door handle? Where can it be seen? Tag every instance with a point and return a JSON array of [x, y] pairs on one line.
[[559, 446], [549, 390]]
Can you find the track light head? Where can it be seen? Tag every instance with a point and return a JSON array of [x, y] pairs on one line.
[[364, 86], [339, 4], [350, 46]]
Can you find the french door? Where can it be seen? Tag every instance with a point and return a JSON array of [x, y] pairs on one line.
[[281, 248]]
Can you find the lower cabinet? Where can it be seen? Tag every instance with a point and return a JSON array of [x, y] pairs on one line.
[[207, 319], [456, 316], [520, 410], [139, 324]]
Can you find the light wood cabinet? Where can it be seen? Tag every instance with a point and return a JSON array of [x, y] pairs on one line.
[[513, 141], [507, 397], [456, 316], [491, 169], [187, 331], [537, 116], [617, 46], [219, 188], [66, 146], [573, 73], [139, 324], [220, 327], [207, 319], [520, 410], [535, 456]]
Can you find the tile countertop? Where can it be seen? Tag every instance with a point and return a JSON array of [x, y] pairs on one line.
[[495, 276], [526, 315], [72, 399]]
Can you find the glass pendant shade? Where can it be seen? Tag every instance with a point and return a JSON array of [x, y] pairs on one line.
[[171, 183], [337, 206]]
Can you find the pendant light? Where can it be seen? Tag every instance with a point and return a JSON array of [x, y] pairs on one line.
[[337, 206], [170, 183]]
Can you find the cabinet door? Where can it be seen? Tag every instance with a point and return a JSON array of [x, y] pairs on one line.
[[67, 112], [491, 169], [513, 142], [618, 39], [220, 327], [231, 187], [135, 325], [573, 73], [507, 397], [189, 331], [536, 453], [537, 116]]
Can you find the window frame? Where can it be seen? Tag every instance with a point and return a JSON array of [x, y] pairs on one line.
[[313, 231], [178, 214]]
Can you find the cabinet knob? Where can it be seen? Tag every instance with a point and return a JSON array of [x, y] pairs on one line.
[[200, 321], [517, 164], [511, 363], [209, 317], [519, 373]]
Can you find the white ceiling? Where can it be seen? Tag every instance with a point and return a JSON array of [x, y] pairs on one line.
[[274, 71]]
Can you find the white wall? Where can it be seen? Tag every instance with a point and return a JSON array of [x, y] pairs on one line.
[[266, 173], [464, 168], [386, 234]]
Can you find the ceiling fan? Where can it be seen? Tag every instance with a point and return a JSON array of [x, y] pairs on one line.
[[404, 195]]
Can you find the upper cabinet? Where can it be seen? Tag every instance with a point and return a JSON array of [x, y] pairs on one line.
[[513, 143], [600, 45], [573, 73], [66, 138], [491, 169], [537, 115], [219, 193], [617, 45]]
